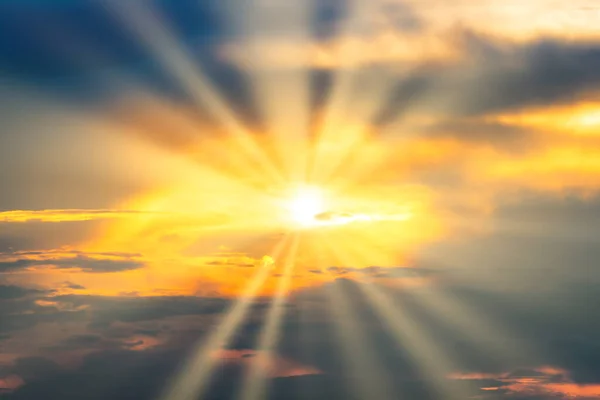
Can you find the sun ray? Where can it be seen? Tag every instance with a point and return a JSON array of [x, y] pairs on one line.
[[431, 360], [357, 94], [192, 379], [458, 315], [489, 337], [146, 24], [370, 381], [281, 92], [174, 128], [255, 383]]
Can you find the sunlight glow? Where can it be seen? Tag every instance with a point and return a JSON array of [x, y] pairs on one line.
[[194, 377], [306, 204], [255, 386], [146, 23], [363, 366], [364, 159]]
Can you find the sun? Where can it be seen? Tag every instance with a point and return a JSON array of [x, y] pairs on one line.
[[306, 203]]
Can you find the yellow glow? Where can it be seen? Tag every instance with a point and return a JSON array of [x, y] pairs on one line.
[[306, 204], [573, 119]]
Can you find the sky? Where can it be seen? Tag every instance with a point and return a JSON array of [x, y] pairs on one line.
[[303, 199]]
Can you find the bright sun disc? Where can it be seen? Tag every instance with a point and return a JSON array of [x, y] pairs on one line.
[[305, 205]]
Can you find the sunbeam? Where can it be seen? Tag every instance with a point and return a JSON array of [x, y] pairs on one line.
[[357, 94], [432, 361], [152, 31], [175, 128], [299, 199], [254, 386], [192, 379], [365, 373], [282, 92], [490, 338]]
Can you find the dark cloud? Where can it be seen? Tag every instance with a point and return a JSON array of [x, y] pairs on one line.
[[85, 263], [112, 374], [82, 340], [74, 286], [25, 311], [9, 292], [498, 76], [93, 343], [26, 314], [106, 309], [147, 332], [308, 337], [543, 72]]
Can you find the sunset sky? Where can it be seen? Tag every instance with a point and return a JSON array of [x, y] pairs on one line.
[[299, 199]]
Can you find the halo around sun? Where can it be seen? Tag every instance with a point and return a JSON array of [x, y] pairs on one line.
[[306, 203]]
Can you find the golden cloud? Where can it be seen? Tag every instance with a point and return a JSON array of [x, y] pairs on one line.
[[15, 216]]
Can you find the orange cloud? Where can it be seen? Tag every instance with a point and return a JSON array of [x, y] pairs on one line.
[[543, 381], [10, 383], [65, 260], [474, 376], [276, 366], [574, 390]]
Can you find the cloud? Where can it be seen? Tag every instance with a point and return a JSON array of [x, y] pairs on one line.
[[9, 292], [107, 309], [10, 383], [83, 263], [543, 382], [544, 72], [274, 365], [89, 343], [335, 218], [503, 98], [306, 338], [92, 262], [15, 216], [401, 48], [73, 286], [524, 23], [396, 34], [499, 135], [232, 259]]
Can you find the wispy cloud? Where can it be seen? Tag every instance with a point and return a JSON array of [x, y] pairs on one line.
[[85, 262], [63, 215]]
